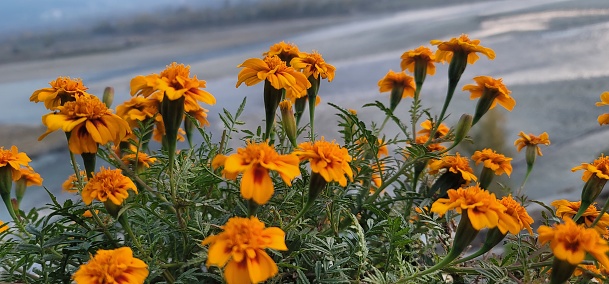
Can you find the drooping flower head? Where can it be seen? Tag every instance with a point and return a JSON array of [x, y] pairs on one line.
[[483, 208], [62, 90], [112, 266], [277, 73], [285, 51], [490, 91], [603, 118], [464, 45], [427, 126], [571, 242], [108, 185], [421, 57], [517, 212], [29, 177], [140, 158], [312, 64], [532, 140], [12, 160], [255, 161], [499, 163], [327, 159], [240, 250], [455, 164], [432, 147], [599, 168], [89, 123], [567, 209]]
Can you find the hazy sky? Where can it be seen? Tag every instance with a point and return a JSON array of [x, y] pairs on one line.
[[37, 14]]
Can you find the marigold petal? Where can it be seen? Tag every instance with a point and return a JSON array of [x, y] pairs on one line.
[[262, 267]]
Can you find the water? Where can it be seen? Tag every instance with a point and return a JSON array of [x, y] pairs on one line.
[[555, 63]]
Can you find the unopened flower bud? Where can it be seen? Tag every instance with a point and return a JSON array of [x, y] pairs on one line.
[[592, 189], [108, 97], [463, 127], [288, 121]]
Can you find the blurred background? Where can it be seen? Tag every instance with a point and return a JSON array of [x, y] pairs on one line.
[[551, 54]]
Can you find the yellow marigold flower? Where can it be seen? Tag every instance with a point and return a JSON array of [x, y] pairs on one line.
[[71, 184], [600, 168], [591, 268], [446, 49], [483, 208], [200, 114], [30, 177], [137, 109], [240, 250], [570, 242], [499, 93], [518, 213], [112, 266], [312, 64], [108, 184], [433, 147], [3, 227], [603, 118], [494, 161], [427, 126], [327, 159], [400, 80], [62, 90], [532, 140], [277, 73], [567, 209], [90, 123], [173, 83], [421, 54], [285, 51], [13, 160], [255, 161], [455, 164]]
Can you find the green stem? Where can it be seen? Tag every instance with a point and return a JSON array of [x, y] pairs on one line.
[[524, 181], [122, 219], [99, 223], [312, 97], [302, 212], [11, 211]]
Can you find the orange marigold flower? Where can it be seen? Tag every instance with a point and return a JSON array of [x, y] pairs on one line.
[[277, 73], [90, 123], [427, 126], [173, 83], [239, 248], [495, 88], [494, 161], [532, 140], [433, 147], [570, 242], [71, 184], [591, 268], [13, 160], [463, 44], [312, 64], [108, 184], [285, 51], [420, 54], [137, 109], [142, 159], [483, 208], [567, 209], [327, 159], [112, 266], [30, 177], [88, 214], [600, 168], [62, 90], [518, 213], [255, 161], [455, 164], [603, 118], [3, 227], [398, 79]]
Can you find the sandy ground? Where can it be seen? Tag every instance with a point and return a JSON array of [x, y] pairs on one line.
[[550, 53]]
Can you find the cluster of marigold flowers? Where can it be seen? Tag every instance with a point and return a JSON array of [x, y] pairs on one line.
[[291, 79]]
